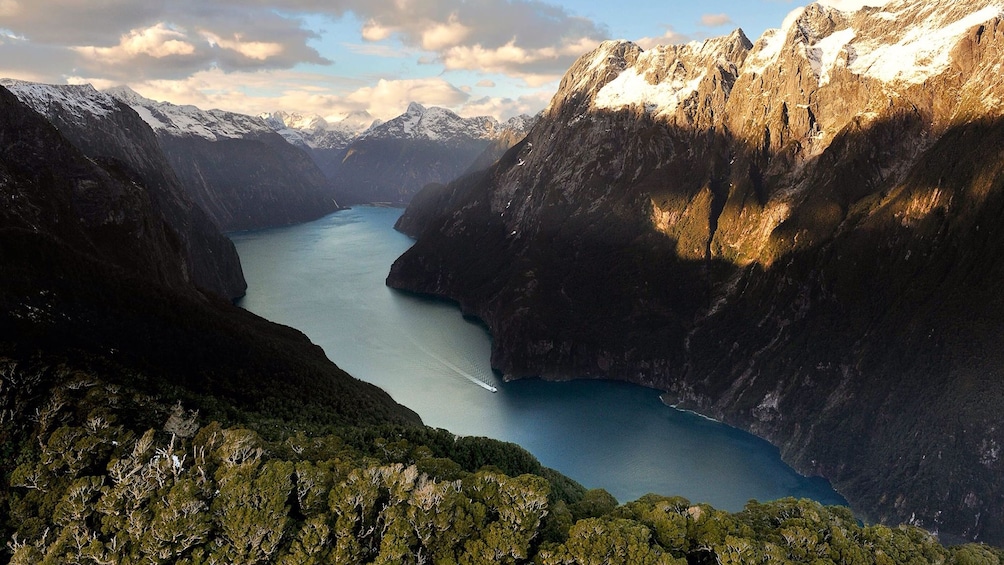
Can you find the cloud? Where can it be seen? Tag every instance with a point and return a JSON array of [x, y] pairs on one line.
[[535, 66], [158, 42], [671, 37], [715, 20], [265, 91], [527, 39], [486, 83], [125, 38], [257, 50], [239, 54], [9, 8], [505, 108], [389, 98], [443, 35]]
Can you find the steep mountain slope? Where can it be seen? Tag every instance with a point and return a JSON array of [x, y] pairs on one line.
[[93, 270], [394, 160], [143, 421], [799, 236], [235, 167], [105, 129]]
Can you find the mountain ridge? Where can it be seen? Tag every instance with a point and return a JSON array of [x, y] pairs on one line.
[[241, 172], [772, 233], [103, 129]]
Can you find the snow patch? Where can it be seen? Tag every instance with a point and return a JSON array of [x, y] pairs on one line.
[[768, 47], [824, 54], [632, 88], [189, 120], [79, 101], [922, 52], [149, 118]]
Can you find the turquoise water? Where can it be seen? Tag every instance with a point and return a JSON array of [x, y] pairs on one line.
[[326, 278]]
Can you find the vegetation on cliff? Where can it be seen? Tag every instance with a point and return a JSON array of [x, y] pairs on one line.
[[106, 473]]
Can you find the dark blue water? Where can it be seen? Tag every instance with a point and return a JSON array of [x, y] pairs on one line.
[[326, 278]]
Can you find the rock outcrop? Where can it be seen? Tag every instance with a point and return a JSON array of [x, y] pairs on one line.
[[798, 236]]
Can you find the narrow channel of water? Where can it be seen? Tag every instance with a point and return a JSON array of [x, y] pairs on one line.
[[326, 278]]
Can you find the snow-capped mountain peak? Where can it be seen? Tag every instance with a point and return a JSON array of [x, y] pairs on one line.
[[79, 101], [312, 130], [433, 123], [889, 41], [189, 120]]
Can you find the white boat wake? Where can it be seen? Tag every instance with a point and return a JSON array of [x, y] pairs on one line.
[[455, 368]]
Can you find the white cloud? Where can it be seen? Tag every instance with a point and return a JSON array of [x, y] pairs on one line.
[[440, 36], [671, 37], [257, 50], [715, 20], [531, 40], [9, 8], [486, 83], [389, 98], [505, 108], [158, 41], [374, 31], [531, 65]]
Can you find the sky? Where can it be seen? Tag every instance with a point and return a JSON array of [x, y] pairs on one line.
[[331, 57]]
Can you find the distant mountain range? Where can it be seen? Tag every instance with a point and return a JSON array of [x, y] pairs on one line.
[[372, 161], [248, 172], [800, 236]]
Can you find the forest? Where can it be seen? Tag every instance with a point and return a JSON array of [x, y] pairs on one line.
[[108, 473]]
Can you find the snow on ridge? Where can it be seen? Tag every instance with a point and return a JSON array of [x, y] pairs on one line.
[[922, 52], [432, 123], [824, 54], [80, 100], [684, 68], [909, 53], [189, 120], [631, 88], [768, 48]]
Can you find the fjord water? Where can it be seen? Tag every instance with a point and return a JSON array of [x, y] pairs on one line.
[[326, 278]]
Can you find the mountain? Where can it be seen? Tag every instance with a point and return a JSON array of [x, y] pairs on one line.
[[390, 161], [143, 420], [799, 236], [243, 174], [110, 132], [314, 132], [95, 274]]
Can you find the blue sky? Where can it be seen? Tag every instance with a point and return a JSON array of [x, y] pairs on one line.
[[330, 57]]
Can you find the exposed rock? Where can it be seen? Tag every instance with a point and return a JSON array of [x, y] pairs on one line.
[[799, 236]]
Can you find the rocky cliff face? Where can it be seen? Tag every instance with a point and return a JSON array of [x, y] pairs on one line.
[[799, 236], [110, 132], [394, 160], [235, 167]]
